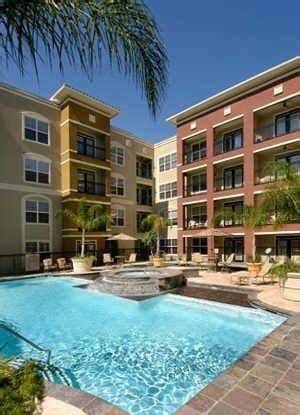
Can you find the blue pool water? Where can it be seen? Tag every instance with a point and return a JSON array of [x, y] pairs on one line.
[[147, 357]]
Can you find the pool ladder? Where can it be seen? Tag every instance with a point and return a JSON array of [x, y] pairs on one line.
[[30, 342]]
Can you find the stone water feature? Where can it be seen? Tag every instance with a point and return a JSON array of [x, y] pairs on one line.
[[137, 283]]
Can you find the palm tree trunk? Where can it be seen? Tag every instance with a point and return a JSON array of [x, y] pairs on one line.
[[82, 242], [157, 244]]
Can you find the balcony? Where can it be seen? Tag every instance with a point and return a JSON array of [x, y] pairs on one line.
[[191, 190], [232, 178], [191, 156], [228, 142], [90, 150], [144, 195], [92, 188], [284, 124], [144, 172], [196, 222]]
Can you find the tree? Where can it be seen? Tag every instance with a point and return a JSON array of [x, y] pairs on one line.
[[154, 225], [21, 388], [87, 218], [83, 32]]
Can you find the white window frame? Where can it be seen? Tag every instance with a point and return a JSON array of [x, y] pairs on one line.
[[117, 209], [37, 211], [117, 146], [162, 162], [163, 190], [117, 177], [37, 118], [38, 158]]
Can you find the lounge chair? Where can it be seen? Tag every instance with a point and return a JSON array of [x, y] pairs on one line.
[[243, 276], [107, 259], [48, 265], [131, 259], [225, 265], [200, 259], [63, 265]]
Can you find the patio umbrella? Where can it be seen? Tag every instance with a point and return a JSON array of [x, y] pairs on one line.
[[121, 237]]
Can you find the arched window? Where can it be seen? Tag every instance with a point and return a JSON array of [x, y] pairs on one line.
[[36, 168], [36, 128], [117, 185]]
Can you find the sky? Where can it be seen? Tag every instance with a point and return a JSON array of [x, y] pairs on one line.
[[211, 45]]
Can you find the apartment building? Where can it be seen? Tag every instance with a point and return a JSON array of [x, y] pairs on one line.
[[223, 145], [165, 173], [30, 174]]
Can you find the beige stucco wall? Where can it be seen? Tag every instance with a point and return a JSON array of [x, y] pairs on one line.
[[13, 188], [161, 149], [133, 147]]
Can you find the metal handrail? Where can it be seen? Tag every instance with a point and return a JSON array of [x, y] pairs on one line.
[[31, 343]]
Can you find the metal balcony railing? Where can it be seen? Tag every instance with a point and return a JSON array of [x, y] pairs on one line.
[[273, 130], [221, 147], [92, 188], [191, 190], [196, 222], [194, 155], [144, 172], [221, 184], [89, 150]]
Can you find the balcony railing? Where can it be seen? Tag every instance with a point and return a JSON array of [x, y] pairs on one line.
[[146, 201], [220, 184], [193, 190], [227, 223], [220, 147], [196, 222], [91, 151], [92, 188], [144, 172], [194, 155], [270, 130]]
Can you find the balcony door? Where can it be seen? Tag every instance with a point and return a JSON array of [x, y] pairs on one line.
[[236, 246], [233, 177], [288, 246], [86, 181], [198, 183]]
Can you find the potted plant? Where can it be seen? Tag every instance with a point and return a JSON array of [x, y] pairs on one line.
[[155, 224], [254, 265], [87, 218]]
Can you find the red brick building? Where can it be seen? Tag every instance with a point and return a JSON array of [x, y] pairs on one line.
[[223, 144]]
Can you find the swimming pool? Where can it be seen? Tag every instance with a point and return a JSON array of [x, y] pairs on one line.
[[147, 357]]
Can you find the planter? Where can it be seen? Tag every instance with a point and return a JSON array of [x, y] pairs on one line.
[[291, 287], [254, 268], [82, 265], [158, 262]]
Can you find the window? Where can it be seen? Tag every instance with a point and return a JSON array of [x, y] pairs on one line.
[[233, 177], [117, 155], [292, 159], [287, 123], [89, 247], [198, 183], [236, 208], [32, 247], [117, 185], [169, 246], [36, 211], [172, 217], [232, 140], [37, 171], [168, 190], [198, 215], [87, 146], [144, 195], [168, 162], [118, 215], [199, 245], [36, 130]]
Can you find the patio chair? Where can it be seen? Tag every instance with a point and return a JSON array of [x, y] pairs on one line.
[[225, 265], [200, 259], [63, 265], [245, 275], [48, 265], [107, 259], [131, 259]]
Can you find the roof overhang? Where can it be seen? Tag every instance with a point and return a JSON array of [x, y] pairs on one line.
[[66, 92], [237, 90]]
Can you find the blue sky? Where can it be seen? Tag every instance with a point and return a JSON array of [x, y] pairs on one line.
[[211, 46]]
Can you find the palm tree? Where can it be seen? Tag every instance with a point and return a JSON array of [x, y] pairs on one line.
[[85, 32], [155, 224], [87, 218]]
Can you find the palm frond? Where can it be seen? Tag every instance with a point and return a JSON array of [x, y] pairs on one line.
[[86, 32]]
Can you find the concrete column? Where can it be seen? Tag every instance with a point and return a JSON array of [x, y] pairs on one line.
[[210, 186]]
